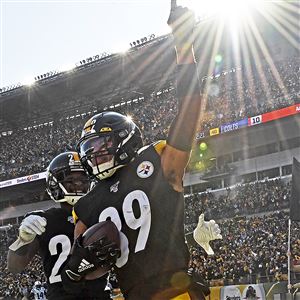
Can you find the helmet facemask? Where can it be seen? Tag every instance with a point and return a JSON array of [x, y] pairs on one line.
[[109, 141], [103, 154], [67, 184]]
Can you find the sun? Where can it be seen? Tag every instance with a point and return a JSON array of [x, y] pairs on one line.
[[225, 9]]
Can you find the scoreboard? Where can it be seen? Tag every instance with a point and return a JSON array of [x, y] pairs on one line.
[[251, 121]]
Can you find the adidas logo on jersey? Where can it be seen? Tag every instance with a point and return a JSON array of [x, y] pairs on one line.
[[84, 265]]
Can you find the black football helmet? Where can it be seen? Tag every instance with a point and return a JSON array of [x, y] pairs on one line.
[[109, 140], [66, 179]]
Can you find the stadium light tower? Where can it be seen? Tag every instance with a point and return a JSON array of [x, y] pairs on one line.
[[67, 67], [129, 118], [121, 48], [28, 81]]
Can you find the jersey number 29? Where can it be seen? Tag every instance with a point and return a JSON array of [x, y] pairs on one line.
[[143, 223]]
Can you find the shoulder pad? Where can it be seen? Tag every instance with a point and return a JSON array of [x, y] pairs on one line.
[[159, 146], [142, 149], [34, 212]]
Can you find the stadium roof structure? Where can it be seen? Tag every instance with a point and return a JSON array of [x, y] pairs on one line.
[[106, 81]]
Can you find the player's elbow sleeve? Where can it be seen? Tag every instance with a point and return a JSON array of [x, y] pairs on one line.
[[12, 268], [15, 263]]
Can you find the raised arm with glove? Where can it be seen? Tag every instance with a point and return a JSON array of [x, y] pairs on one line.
[[26, 245], [31, 226], [206, 232]]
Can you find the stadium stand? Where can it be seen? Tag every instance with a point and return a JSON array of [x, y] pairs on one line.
[[227, 102], [240, 200], [16, 286], [253, 251], [253, 248]]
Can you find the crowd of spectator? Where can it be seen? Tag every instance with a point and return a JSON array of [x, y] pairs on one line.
[[30, 151], [231, 97], [17, 286], [248, 92], [253, 249], [243, 199]]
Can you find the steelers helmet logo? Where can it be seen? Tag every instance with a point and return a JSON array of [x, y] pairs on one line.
[[145, 169]]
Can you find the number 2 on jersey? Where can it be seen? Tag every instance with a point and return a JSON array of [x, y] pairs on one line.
[[143, 222], [66, 248]]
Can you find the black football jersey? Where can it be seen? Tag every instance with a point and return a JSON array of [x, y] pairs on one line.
[[148, 212], [54, 247]]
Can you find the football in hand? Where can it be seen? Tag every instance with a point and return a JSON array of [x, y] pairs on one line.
[[95, 233]]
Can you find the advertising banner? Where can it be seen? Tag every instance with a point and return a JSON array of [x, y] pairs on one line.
[[200, 135], [243, 292], [251, 121], [215, 293], [261, 291], [281, 113], [253, 292], [255, 120], [24, 179], [231, 292], [214, 131], [234, 126]]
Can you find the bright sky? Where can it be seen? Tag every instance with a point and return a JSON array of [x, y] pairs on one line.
[[39, 36]]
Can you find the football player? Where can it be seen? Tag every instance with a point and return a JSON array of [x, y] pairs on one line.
[[38, 292], [51, 233], [141, 188]]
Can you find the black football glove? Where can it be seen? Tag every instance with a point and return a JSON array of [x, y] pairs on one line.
[[198, 288], [70, 286], [182, 22], [84, 260]]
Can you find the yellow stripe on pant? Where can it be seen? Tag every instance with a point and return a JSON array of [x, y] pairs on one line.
[[184, 296]]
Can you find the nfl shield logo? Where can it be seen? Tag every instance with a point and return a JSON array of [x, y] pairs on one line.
[[145, 169], [115, 187], [70, 219]]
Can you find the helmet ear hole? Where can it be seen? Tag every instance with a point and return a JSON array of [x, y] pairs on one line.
[[57, 193]]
